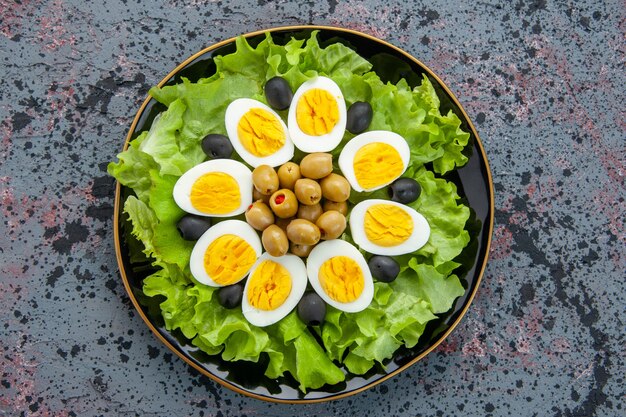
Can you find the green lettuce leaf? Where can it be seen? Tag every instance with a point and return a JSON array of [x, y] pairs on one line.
[[308, 352], [132, 168], [439, 204], [143, 222], [332, 60], [164, 144], [394, 317], [247, 61], [430, 285], [217, 326], [178, 309], [160, 238]]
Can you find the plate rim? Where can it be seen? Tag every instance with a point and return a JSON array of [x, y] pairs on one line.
[[441, 338]]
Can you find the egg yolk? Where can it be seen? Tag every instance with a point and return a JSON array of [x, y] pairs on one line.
[[260, 132], [387, 225], [215, 193], [317, 112], [376, 164], [228, 259], [341, 278], [269, 286]]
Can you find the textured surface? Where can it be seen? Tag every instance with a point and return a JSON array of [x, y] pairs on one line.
[[544, 83]]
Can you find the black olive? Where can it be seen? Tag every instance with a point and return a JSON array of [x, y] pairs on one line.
[[278, 93], [359, 117], [192, 226], [383, 268], [230, 296], [312, 309], [404, 190], [217, 146]]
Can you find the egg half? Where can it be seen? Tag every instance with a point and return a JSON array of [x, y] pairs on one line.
[[317, 116], [339, 274], [225, 253], [385, 227], [374, 159], [217, 188], [273, 289], [257, 133]]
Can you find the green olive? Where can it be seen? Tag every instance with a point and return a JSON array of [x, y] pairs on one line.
[[288, 174], [256, 196], [340, 207], [259, 215], [275, 241], [310, 213], [300, 250], [331, 224], [303, 232], [265, 179], [316, 165], [308, 191], [284, 203], [335, 188]]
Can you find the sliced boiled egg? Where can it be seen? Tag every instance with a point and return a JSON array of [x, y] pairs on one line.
[[317, 116], [225, 253], [385, 227], [374, 159], [273, 289], [216, 188], [257, 133], [339, 274]]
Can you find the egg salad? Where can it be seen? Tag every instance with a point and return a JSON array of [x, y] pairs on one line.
[[292, 207], [336, 270]]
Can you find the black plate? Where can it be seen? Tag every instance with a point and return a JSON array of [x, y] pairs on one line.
[[473, 182]]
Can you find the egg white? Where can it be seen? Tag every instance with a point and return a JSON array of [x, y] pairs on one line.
[[261, 318], [329, 249], [227, 227], [234, 112], [240, 173], [322, 143], [419, 237], [346, 158]]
